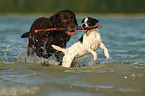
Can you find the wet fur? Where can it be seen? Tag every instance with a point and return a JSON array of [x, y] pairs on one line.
[[41, 42]]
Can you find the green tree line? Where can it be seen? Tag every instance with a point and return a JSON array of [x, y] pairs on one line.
[[79, 6]]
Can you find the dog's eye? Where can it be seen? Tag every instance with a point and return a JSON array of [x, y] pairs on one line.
[[64, 20]]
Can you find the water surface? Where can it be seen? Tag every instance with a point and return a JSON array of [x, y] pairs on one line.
[[122, 75]]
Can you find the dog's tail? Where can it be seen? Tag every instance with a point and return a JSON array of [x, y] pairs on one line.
[[58, 48], [25, 35]]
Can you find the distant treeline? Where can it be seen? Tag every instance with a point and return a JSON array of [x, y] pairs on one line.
[[79, 6]]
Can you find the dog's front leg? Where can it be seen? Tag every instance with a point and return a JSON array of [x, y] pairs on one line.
[[102, 46], [93, 53]]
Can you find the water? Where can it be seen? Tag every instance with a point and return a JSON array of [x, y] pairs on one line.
[[122, 75]]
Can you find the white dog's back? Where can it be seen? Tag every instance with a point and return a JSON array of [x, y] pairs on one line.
[[91, 39]]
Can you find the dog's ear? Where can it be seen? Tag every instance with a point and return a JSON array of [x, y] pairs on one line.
[[54, 20], [93, 20], [75, 21], [96, 21]]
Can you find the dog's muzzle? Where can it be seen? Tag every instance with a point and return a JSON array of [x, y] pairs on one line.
[[71, 29]]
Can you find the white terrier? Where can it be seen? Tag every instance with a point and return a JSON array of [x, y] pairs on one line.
[[87, 44]]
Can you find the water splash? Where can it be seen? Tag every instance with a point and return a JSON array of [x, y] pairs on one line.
[[12, 53]]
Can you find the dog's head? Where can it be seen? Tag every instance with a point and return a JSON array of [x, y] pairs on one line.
[[89, 21], [65, 19]]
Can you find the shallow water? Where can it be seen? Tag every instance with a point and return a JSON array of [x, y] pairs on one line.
[[122, 75]]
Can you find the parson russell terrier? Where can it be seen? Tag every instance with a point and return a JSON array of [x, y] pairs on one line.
[[87, 44]]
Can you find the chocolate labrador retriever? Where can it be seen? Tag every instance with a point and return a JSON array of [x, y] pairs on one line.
[[41, 42]]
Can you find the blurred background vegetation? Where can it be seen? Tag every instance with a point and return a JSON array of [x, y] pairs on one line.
[[78, 6]]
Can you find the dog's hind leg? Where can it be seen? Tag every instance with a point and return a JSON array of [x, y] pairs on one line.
[[102, 46], [74, 62], [67, 61]]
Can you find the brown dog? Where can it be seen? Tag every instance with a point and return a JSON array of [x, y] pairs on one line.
[[41, 42]]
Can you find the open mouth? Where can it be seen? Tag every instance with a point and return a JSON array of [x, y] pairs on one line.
[[70, 32]]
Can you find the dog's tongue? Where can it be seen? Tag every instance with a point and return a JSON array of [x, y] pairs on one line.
[[70, 33]]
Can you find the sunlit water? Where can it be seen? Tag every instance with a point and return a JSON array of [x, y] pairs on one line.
[[122, 75]]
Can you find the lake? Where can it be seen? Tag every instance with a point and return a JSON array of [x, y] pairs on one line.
[[121, 75]]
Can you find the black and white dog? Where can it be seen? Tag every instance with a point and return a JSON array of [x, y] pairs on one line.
[[87, 44]]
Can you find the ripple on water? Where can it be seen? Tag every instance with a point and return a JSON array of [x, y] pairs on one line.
[[18, 89]]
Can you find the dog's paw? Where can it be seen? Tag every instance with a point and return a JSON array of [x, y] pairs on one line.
[[67, 66], [107, 55], [95, 59]]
